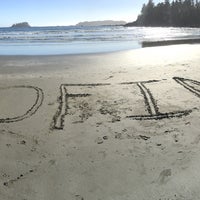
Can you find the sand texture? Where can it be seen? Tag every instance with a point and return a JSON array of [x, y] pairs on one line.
[[115, 126]]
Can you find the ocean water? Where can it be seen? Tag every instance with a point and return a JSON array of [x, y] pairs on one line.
[[79, 40]]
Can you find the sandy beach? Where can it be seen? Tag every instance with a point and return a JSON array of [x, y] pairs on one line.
[[110, 126]]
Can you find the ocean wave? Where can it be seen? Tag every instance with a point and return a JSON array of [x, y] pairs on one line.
[[80, 38]]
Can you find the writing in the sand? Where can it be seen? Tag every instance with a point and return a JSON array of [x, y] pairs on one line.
[[151, 108], [37, 102]]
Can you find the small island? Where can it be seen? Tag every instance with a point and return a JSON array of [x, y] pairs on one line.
[[21, 25]]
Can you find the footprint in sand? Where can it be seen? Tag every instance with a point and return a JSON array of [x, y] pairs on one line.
[[164, 176]]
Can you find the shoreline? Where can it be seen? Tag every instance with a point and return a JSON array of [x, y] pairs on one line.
[[21, 67], [134, 57], [142, 44]]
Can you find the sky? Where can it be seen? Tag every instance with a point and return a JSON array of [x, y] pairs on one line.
[[67, 12]]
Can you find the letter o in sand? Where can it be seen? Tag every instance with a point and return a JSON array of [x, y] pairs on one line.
[[19, 102]]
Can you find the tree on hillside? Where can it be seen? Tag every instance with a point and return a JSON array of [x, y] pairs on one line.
[[147, 13], [177, 13]]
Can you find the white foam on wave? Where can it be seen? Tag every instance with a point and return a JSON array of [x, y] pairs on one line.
[[73, 39]]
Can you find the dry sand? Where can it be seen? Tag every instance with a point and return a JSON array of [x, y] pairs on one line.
[[114, 126]]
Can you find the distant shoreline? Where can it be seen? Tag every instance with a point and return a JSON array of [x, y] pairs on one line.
[[122, 25]]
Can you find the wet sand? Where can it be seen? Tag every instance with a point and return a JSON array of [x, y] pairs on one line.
[[170, 42], [121, 125]]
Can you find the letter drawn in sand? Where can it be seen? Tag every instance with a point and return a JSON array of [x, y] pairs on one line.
[[33, 108], [189, 84], [152, 107], [58, 119]]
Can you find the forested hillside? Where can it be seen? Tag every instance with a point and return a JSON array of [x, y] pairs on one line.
[[179, 13]]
